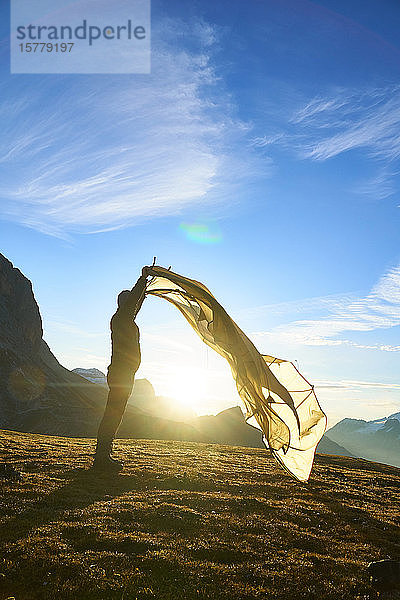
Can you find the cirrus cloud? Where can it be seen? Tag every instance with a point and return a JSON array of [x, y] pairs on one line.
[[99, 154]]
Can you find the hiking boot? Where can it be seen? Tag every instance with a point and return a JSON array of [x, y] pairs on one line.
[[103, 460], [106, 463]]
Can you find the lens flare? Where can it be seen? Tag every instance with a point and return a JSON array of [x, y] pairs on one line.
[[202, 233], [26, 383]]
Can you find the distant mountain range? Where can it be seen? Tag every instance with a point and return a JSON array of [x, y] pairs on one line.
[[93, 375], [328, 446], [377, 440], [39, 395], [227, 427]]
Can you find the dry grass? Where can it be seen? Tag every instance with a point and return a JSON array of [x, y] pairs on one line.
[[190, 521]]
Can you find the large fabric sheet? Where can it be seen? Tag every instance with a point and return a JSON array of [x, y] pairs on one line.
[[277, 398]]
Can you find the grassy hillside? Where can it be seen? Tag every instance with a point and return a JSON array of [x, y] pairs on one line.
[[186, 520]]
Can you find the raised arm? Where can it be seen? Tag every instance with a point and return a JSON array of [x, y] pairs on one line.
[[134, 301]]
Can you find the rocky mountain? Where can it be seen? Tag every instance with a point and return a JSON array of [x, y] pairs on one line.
[[328, 446], [167, 407], [377, 440], [143, 397], [39, 395], [229, 427]]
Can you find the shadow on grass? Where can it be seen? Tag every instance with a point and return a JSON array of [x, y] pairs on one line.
[[83, 489], [369, 529]]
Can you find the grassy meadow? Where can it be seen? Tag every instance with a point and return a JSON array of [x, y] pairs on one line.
[[189, 521]]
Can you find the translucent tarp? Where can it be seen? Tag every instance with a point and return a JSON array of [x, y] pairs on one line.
[[277, 398]]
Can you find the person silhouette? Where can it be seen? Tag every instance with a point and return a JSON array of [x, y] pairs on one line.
[[125, 361]]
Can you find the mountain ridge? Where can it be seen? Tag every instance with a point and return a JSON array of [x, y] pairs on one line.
[[377, 440], [38, 394], [220, 428]]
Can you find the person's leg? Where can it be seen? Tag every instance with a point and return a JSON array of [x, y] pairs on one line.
[[118, 396], [114, 411]]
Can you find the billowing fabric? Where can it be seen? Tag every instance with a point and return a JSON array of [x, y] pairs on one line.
[[277, 398]]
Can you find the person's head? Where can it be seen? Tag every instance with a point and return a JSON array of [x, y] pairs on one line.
[[122, 297]]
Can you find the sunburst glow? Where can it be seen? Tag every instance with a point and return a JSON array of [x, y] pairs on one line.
[[188, 388]]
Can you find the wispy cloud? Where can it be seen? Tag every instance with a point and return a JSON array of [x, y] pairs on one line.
[[351, 384], [380, 186], [343, 121], [388, 289], [263, 141], [98, 156], [350, 120], [380, 309], [329, 302]]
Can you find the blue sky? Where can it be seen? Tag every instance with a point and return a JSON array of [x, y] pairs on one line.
[[261, 156]]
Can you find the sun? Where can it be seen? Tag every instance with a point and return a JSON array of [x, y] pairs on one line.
[[188, 388]]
